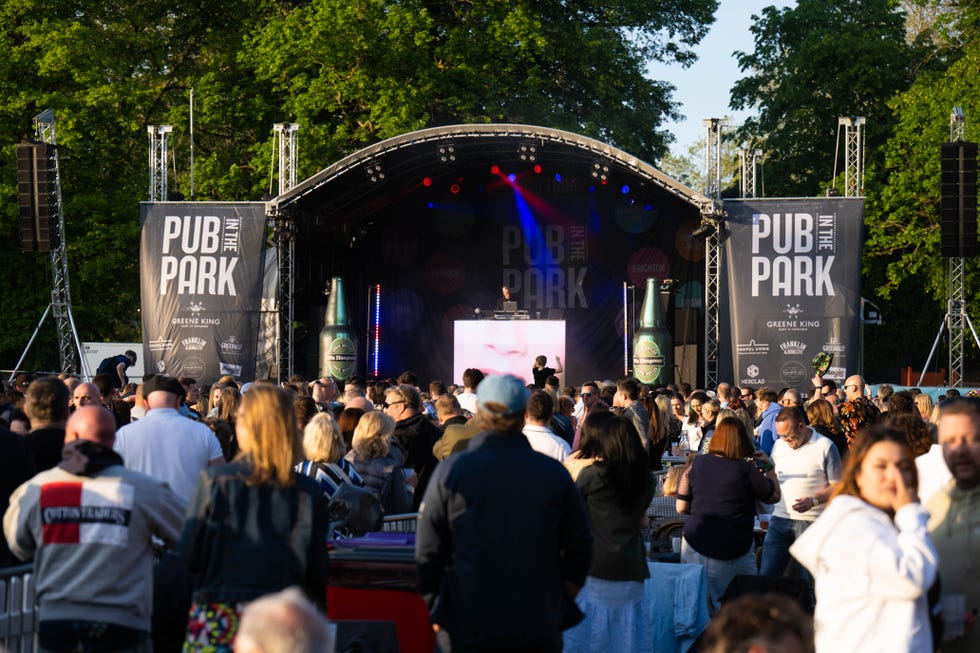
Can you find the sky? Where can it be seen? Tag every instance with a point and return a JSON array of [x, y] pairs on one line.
[[703, 90]]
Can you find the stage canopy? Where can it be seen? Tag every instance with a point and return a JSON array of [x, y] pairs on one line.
[[426, 227]]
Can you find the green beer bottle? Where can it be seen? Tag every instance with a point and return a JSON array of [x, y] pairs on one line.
[[653, 348], [338, 344]]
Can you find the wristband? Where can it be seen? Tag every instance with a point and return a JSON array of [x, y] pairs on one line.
[[816, 500]]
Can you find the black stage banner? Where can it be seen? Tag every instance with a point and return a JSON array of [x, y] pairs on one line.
[[201, 268], [794, 288]]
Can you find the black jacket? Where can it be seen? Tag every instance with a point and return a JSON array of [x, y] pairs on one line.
[[248, 540], [501, 529], [415, 436]]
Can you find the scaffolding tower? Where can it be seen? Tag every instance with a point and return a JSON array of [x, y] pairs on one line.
[[285, 237], [749, 159], [69, 345], [712, 266], [158, 161]]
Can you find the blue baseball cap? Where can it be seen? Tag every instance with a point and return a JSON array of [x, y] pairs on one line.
[[504, 389]]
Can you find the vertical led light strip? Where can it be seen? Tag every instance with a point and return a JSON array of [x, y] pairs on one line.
[[626, 333], [377, 327]]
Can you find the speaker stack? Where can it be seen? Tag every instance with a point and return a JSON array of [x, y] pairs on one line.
[[37, 197], [958, 205]]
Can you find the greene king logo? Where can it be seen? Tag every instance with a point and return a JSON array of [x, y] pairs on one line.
[[793, 311], [196, 308], [194, 343], [793, 347]]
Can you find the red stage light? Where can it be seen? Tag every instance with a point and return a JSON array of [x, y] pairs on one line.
[[454, 189], [494, 170], [537, 169], [427, 181]]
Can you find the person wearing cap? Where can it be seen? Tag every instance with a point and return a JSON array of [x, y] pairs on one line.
[[503, 544], [166, 445]]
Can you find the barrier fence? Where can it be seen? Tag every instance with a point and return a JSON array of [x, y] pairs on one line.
[[18, 614]]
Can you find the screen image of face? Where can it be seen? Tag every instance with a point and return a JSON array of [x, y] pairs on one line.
[[506, 346]]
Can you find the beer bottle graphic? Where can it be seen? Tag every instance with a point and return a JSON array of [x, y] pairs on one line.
[[653, 347], [338, 344]]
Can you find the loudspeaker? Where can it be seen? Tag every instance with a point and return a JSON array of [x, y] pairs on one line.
[[686, 364], [37, 197], [958, 203], [687, 326]]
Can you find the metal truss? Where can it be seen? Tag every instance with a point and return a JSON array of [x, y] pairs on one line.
[[286, 137], [158, 161], [749, 160], [69, 345], [853, 155]]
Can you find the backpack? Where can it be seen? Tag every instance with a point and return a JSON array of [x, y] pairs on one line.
[[395, 497]]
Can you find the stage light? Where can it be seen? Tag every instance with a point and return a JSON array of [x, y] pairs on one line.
[[600, 171], [454, 189], [512, 177], [427, 181], [431, 205], [647, 207], [625, 189], [374, 172], [446, 152], [528, 151], [537, 169], [558, 177], [702, 232], [591, 189], [494, 170]]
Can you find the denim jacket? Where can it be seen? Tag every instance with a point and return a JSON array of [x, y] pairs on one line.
[[245, 540]]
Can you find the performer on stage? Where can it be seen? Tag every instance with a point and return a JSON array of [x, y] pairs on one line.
[[505, 296]]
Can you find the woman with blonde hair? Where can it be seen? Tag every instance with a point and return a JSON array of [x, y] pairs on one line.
[[324, 447], [371, 452], [924, 405], [254, 526], [820, 414]]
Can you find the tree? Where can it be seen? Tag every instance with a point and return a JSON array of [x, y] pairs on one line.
[[812, 64], [351, 73], [363, 71], [902, 252]]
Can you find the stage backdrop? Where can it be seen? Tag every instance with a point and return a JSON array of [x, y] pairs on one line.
[[794, 289], [565, 248], [201, 270]]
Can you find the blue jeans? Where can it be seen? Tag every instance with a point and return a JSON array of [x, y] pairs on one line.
[[780, 536]]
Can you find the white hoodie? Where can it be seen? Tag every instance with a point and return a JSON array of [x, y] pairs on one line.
[[871, 577]]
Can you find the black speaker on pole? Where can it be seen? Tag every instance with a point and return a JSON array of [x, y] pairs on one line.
[[36, 197], [958, 204]]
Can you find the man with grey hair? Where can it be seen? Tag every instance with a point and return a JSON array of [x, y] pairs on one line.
[[284, 622]]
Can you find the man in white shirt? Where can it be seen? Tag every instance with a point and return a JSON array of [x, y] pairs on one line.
[[467, 398], [165, 444], [807, 466], [537, 415]]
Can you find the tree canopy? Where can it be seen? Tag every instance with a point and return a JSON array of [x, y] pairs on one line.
[[350, 72]]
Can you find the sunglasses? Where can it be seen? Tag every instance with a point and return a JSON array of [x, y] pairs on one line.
[[587, 394], [389, 404]]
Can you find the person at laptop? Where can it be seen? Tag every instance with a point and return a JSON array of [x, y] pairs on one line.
[[507, 300]]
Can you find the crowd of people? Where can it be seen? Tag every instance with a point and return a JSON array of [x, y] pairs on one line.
[[162, 506]]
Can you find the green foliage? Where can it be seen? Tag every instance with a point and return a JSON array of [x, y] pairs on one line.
[[812, 64], [350, 72]]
